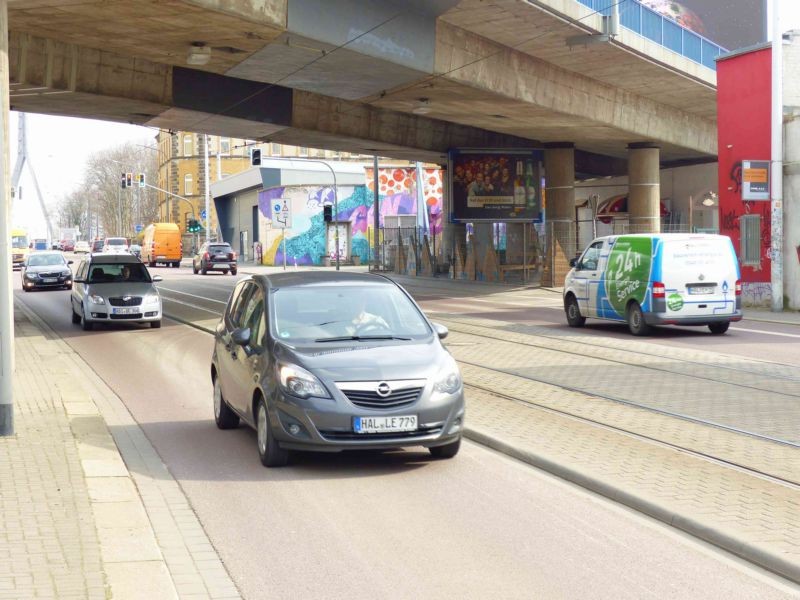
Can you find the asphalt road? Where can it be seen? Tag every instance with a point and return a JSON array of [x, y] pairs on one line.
[[395, 524]]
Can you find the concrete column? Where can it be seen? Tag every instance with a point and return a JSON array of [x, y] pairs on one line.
[[644, 188], [791, 215], [6, 294], [561, 243]]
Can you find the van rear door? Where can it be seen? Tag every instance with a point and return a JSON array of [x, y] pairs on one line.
[[699, 274]]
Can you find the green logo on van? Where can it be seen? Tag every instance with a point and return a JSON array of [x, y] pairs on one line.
[[628, 272], [674, 302]]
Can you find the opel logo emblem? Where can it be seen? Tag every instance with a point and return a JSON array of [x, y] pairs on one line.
[[702, 277], [384, 390]]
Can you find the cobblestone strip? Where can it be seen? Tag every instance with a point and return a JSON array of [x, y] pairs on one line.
[[750, 516], [185, 555], [766, 413]]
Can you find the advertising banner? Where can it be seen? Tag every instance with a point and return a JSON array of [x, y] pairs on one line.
[[496, 185], [733, 24]]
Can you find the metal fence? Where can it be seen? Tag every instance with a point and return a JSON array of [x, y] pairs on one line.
[[662, 30]]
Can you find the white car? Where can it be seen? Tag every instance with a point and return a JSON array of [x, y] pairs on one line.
[[115, 245], [82, 248]]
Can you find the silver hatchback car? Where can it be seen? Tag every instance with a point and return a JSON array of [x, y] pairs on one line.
[[114, 288], [332, 361]]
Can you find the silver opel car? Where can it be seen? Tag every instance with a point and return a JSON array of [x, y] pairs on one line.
[[330, 361], [114, 288]]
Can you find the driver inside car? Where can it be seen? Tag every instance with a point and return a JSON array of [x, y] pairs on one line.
[[364, 320]]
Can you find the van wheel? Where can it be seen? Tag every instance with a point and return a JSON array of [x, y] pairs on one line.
[[719, 328], [574, 318], [636, 322]]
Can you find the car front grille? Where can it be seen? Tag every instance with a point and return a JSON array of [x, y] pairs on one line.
[[126, 301], [371, 399], [348, 436], [51, 275], [124, 317]]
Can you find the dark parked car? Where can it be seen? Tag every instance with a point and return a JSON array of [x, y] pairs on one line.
[[334, 361], [215, 256], [46, 270], [97, 245]]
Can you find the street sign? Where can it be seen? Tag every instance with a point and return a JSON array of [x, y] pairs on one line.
[[282, 214], [203, 214], [138, 227]]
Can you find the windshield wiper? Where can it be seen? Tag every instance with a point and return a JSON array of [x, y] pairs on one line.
[[362, 338]]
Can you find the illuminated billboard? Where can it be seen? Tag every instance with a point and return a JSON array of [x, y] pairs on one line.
[[732, 24]]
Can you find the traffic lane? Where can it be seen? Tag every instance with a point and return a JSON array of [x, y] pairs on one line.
[[394, 524]]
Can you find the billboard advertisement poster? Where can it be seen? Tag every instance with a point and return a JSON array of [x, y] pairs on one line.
[[733, 24], [496, 185]]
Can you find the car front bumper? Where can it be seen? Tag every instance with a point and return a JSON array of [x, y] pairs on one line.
[[103, 313], [326, 425], [33, 284]]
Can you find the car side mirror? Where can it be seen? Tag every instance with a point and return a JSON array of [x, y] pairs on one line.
[[69, 262], [441, 330], [241, 336], [157, 278], [78, 280], [573, 262]]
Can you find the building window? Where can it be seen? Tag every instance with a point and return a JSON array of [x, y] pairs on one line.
[[750, 235], [187, 145], [225, 146], [275, 149], [187, 184], [302, 151]]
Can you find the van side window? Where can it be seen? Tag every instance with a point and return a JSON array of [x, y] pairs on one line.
[[591, 257]]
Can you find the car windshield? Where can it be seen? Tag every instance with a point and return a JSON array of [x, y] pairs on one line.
[[19, 241], [303, 314], [116, 242], [42, 260], [118, 272]]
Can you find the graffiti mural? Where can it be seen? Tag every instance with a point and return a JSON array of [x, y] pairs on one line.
[[307, 240]]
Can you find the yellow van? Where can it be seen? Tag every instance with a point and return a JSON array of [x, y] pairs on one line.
[[20, 245], [162, 244]]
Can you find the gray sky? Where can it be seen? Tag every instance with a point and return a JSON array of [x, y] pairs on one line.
[[59, 147]]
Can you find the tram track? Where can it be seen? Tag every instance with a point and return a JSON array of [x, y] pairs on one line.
[[642, 437]]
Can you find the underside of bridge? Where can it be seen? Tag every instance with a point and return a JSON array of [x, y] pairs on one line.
[[402, 79]]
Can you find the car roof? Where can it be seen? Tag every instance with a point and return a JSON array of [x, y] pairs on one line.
[[321, 278], [109, 258]]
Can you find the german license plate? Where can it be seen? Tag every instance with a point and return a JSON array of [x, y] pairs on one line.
[[701, 289], [385, 424], [125, 311], [220, 266], [49, 280], [220, 257]]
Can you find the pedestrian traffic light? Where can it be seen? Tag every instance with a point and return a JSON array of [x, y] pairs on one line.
[[255, 157], [194, 226], [128, 180], [327, 213], [141, 179], [123, 181]]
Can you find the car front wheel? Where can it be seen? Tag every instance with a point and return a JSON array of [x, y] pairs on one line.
[[270, 453], [224, 417], [446, 451], [85, 323], [574, 318]]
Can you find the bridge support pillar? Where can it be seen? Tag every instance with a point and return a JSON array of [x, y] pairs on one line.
[[644, 188], [561, 243]]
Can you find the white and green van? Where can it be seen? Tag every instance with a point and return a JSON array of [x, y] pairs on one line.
[[656, 279]]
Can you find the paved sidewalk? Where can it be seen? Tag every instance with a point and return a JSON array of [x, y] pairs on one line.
[[87, 509]]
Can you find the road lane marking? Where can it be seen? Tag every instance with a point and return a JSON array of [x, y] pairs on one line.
[[208, 310], [192, 295], [791, 335]]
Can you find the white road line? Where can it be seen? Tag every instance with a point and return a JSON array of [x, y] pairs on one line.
[[791, 335], [192, 295]]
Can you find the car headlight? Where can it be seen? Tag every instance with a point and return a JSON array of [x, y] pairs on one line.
[[31, 275], [448, 381], [299, 382], [151, 299], [66, 274], [96, 299]]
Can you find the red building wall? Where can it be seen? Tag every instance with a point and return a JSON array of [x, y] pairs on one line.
[[744, 99]]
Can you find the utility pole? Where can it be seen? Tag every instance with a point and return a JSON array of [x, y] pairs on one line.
[[376, 210], [6, 294], [776, 224], [207, 187]]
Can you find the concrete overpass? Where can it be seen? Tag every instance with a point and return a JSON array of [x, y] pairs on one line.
[[407, 79]]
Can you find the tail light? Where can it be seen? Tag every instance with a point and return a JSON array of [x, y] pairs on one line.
[[205, 256], [233, 256], [152, 246], [659, 291], [738, 287]]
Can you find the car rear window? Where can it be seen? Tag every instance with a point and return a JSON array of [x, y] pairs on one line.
[[220, 248], [117, 242]]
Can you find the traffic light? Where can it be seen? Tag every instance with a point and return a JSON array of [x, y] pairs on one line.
[[194, 226], [255, 157], [141, 179], [327, 213], [123, 181], [128, 180]]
